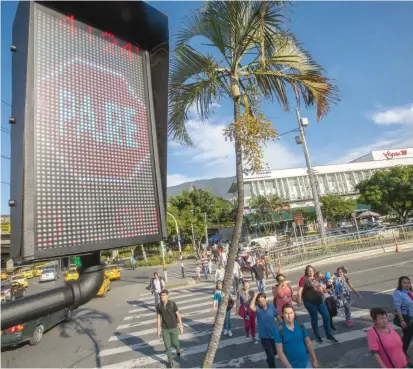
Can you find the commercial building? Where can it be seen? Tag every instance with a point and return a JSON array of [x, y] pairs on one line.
[[294, 185]]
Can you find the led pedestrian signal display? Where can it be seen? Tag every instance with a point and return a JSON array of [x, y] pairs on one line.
[[95, 179]]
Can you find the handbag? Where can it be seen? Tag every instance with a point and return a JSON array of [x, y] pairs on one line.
[[381, 343]]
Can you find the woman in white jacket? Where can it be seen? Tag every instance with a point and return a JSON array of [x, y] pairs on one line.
[[219, 273]]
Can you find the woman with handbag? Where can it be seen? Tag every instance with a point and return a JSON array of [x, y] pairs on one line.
[[384, 342], [403, 303], [310, 293]]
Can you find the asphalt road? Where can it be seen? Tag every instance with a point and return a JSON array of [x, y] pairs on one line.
[[119, 329]]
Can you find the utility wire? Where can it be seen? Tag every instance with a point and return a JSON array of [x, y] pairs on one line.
[[6, 157], [6, 103]]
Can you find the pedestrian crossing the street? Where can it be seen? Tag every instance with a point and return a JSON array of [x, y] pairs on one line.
[[135, 343]]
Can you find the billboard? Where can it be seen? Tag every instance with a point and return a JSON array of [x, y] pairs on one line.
[[90, 166]]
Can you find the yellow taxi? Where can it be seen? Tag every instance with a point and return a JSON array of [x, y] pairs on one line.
[[26, 272], [112, 272], [72, 275], [4, 275], [37, 270], [20, 278], [105, 287]]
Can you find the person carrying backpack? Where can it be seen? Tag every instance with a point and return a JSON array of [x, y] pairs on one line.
[[156, 285], [293, 344]]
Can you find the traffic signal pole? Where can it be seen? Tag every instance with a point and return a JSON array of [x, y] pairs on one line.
[[163, 261]]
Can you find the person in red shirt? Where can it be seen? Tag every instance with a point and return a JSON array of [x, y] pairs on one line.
[[311, 294]]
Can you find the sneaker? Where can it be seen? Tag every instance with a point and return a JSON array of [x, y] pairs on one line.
[[225, 332], [230, 333], [333, 328], [332, 339], [254, 340], [350, 322], [319, 339], [247, 337], [178, 353]]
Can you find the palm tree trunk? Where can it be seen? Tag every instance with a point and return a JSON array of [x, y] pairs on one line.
[[219, 319]]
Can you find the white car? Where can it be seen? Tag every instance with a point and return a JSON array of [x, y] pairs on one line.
[[49, 274]]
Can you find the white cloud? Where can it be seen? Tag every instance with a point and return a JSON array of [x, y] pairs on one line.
[[360, 151], [401, 137], [397, 115], [216, 157]]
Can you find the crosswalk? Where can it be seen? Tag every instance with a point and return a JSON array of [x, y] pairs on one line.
[[135, 343]]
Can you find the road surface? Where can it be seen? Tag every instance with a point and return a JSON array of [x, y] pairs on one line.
[[119, 330]]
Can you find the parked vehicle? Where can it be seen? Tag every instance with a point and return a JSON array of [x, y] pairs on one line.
[[12, 291], [49, 274], [72, 275], [38, 270], [112, 272], [20, 279], [33, 330], [26, 271]]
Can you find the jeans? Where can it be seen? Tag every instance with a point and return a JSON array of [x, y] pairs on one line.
[[407, 334], [270, 351], [170, 339], [227, 321], [261, 286], [313, 310], [235, 284], [156, 294], [270, 268], [206, 271]]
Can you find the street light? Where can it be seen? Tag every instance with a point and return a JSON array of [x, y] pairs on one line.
[[303, 122], [179, 243], [300, 140]]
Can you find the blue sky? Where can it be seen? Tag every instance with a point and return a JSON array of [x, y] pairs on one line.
[[367, 47]]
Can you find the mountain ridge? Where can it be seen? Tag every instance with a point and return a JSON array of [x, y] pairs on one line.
[[218, 186]]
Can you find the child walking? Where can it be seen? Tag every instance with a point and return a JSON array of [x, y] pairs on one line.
[[216, 302]]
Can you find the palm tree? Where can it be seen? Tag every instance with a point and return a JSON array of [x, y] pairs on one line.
[[258, 60]]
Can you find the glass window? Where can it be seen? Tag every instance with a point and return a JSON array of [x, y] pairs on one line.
[[350, 181], [332, 183], [270, 187], [247, 190], [293, 188]]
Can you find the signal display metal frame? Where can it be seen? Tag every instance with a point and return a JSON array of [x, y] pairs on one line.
[[23, 134]]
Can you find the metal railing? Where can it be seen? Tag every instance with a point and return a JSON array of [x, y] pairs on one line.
[[301, 253]]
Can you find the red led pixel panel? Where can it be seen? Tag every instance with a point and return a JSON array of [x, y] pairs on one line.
[[95, 179]]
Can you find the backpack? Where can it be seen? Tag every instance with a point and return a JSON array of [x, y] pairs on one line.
[[282, 332]]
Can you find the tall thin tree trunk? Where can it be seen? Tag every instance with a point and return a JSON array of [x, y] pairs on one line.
[[219, 319]]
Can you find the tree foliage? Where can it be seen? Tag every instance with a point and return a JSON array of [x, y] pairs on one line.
[[265, 207], [189, 209], [255, 59], [335, 207], [389, 190]]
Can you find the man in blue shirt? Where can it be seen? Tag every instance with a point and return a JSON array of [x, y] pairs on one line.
[[292, 342], [266, 316]]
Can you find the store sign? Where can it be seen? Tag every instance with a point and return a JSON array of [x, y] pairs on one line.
[[390, 154]]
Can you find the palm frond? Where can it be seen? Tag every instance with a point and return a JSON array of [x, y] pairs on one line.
[[196, 79], [314, 88]]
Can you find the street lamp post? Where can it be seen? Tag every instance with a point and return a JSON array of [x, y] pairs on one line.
[[179, 243], [206, 230], [314, 189]]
